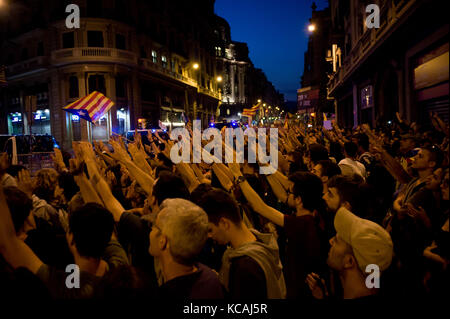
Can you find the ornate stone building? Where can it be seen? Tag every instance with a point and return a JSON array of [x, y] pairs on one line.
[[138, 53], [242, 84]]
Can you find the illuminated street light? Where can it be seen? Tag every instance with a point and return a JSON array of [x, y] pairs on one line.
[[195, 66], [312, 28], [259, 101], [264, 104], [219, 79]]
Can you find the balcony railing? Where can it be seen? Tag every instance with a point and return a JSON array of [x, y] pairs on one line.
[[368, 41], [88, 54], [28, 65], [150, 65], [215, 95]]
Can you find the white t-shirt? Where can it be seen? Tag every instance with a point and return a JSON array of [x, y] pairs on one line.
[[350, 167]]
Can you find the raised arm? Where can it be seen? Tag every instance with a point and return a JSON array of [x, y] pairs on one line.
[[390, 163], [101, 186], [15, 251], [255, 201], [144, 179], [277, 188]]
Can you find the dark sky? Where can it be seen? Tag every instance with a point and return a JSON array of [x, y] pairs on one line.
[[276, 34]]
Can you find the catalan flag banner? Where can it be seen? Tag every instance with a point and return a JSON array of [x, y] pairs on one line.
[[91, 107], [251, 111]]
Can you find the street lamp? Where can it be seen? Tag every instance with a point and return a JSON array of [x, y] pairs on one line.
[[311, 27], [219, 79], [259, 100], [195, 66]]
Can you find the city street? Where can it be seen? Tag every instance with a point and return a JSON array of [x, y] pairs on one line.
[[197, 154]]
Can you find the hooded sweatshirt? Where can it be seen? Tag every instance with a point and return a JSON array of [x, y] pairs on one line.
[[265, 252]]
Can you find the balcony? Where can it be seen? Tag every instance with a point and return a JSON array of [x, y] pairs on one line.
[[149, 65], [88, 54], [205, 91], [34, 64]]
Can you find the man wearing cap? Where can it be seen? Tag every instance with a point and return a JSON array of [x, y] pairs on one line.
[[359, 248]]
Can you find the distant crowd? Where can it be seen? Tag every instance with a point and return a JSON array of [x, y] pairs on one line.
[[349, 214]]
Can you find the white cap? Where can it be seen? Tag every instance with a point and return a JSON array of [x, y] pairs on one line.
[[371, 243]]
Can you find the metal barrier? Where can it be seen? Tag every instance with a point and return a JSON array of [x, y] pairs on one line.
[[36, 161]]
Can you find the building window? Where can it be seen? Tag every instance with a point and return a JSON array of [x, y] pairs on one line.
[[120, 87], [40, 49], [218, 51], [164, 61], [97, 83], [73, 87], [120, 42], [95, 38], [154, 56], [143, 53], [68, 40], [172, 65], [366, 97]]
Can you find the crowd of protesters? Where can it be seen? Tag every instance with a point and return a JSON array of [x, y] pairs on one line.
[[360, 213]]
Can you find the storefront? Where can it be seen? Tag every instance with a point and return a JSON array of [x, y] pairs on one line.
[[41, 122], [431, 82], [172, 117], [15, 124]]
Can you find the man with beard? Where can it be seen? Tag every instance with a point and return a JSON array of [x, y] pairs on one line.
[[358, 247]]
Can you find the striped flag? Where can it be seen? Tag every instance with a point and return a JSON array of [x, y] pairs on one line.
[[91, 107], [161, 125], [251, 111]]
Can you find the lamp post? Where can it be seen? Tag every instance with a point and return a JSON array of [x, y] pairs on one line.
[[196, 66]]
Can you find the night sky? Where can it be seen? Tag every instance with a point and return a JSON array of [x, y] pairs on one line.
[[276, 34]]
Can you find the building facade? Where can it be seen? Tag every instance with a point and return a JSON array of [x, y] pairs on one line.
[[140, 54], [242, 84], [312, 95], [402, 66]]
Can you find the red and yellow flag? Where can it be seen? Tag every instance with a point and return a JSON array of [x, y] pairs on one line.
[[251, 111], [91, 107]]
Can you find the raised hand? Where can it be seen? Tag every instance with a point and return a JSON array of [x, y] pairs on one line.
[[58, 159], [24, 182], [75, 166], [120, 154], [235, 169], [317, 286], [86, 150]]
